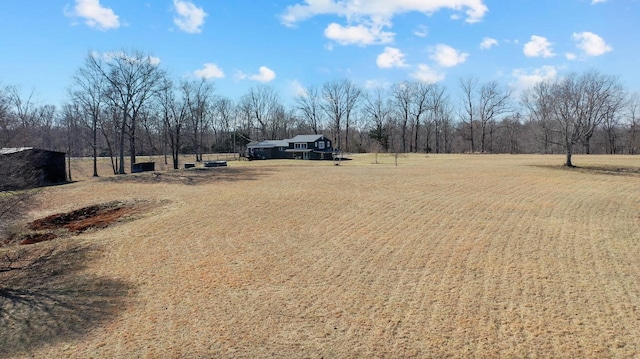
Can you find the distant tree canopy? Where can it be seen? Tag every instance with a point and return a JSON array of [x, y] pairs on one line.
[[125, 97]]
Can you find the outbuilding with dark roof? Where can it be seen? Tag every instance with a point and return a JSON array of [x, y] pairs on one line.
[[28, 167]]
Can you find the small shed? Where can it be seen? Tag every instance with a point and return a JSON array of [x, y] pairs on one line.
[[28, 167], [143, 167]]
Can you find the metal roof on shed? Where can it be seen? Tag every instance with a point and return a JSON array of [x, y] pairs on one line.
[[6, 151]]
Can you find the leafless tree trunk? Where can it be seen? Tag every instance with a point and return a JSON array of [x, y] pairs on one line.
[[438, 112], [199, 96], [174, 115], [468, 86], [402, 97], [24, 114], [421, 93], [309, 105], [633, 118], [88, 90], [261, 104], [493, 102], [578, 104], [340, 98], [132, 79], [376, 107]]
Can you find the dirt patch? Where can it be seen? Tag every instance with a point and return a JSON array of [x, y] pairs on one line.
[[192, 176], [75, 222], [605, 170], [80, 220]]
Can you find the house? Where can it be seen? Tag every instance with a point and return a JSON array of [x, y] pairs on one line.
[[28, 167], [266, 150], [305, 147]]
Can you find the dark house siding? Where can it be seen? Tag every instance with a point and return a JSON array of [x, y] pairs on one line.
[[29, 168], [299, 147]]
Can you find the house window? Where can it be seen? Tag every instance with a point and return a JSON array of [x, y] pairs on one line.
[[300, 146], [321, 145]]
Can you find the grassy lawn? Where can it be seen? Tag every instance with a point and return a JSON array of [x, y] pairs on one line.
[[441, 256]]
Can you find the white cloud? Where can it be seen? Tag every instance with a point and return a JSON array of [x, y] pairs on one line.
[[570, 56], [376, 84], [488, 43], [391, 57], [447, 56], [357, 35], [110, 56], [591, 44], [153, 60], [593, 2], [190, 17], [421, 31], [538, 47], [209, 71], [427, 75], [95, 15], [297, 88], [381, 9], [525, 80], [264, 74]]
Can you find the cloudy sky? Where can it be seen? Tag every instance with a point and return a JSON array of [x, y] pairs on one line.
[[290, 44]]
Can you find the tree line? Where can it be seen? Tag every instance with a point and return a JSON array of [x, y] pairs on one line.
[[124, 103]]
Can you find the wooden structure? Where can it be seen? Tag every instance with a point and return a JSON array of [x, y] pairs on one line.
[[28, 167]]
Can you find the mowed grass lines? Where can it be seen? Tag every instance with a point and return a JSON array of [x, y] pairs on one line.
[[442, 256]]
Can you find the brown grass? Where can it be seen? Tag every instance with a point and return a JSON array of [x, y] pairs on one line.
[[442, 256]]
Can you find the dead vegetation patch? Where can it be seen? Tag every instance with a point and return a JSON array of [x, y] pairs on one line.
[[191, 176], [46, 297], [92, 217], [605, 170]]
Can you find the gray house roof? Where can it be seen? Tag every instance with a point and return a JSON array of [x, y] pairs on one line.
[[269, 144], [305, 138]]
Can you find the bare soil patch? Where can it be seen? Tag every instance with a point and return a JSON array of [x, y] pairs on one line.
[[58, 225]]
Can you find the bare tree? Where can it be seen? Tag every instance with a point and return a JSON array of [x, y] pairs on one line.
[[259, 106], [439, 115], [22, 109], [577, 104], [70, 118], [420, 105], [376, 107], [5, 121], [493, 102], [633, 123], [88, 91], [340, 97], [173, 113], [605, 97], [353, 93], [225, 122], [199, 97], [401, 98], [132, 79], [310, 106], [468, 86]]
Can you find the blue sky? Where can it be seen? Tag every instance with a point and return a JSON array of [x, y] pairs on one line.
[[290, 44]]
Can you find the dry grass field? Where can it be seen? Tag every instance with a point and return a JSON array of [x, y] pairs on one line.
[[441, 256]]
